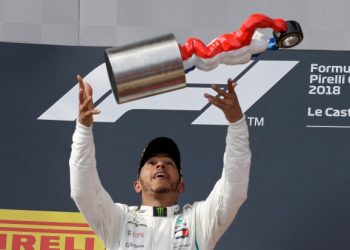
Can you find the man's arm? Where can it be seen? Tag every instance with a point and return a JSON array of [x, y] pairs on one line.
[[86, 190], [217, 212]]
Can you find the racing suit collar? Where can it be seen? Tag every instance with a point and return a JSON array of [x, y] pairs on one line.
[[159, 211]]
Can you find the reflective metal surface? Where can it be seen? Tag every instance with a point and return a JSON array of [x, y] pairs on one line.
[[145, 68], [290, 41], [291, 37]]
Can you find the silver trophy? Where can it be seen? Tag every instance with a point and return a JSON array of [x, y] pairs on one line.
[[159, 65], [145, 68]]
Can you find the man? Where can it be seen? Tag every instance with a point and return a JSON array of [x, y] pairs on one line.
[[159, 223]]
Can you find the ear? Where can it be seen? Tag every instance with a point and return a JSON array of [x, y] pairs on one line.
[[137, 186], [181, 187]]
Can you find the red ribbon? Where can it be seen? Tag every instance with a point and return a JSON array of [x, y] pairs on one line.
[[231, 41]]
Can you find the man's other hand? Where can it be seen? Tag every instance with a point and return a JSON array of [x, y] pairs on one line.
[[227, 101]]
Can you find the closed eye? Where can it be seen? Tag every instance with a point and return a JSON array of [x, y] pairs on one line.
[[151, 162], [169, 163]]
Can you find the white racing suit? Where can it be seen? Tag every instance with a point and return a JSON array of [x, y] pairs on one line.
[[197, 226]]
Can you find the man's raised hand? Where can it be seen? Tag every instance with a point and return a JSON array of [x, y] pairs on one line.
[[227, 101], [86, 105]]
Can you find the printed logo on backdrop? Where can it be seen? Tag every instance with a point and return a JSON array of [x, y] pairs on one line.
[[253, 84], [328, 95], [25, 229]]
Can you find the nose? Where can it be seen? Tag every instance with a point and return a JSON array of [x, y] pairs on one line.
[[160, 164]]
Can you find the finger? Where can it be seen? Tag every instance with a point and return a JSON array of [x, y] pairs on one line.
[[92, 112], [88, 92], [217, 98], [230, 86], [86, 104], [225, 103], [214, 100], [88, 89], [220, 91], [81, 96], [81, 83], [96, 111]]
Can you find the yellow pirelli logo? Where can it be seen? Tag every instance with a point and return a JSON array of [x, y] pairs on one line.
[[42, 230]]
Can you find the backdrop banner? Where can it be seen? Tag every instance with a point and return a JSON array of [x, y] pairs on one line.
[[298, 111]]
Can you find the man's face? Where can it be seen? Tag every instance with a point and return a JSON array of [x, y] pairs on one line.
[[160, 175]]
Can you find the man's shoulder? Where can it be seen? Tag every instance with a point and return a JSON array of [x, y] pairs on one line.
[[125, 208], [190, 207]]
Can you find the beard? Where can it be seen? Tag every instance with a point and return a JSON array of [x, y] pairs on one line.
[[162, 190], [172, 188]]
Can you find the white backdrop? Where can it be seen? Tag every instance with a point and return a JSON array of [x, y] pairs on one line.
[[326, 24]]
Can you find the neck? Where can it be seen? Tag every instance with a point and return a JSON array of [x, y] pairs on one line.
[[159, 200]]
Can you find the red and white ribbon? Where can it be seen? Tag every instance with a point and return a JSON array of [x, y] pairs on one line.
[[232, 48]]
